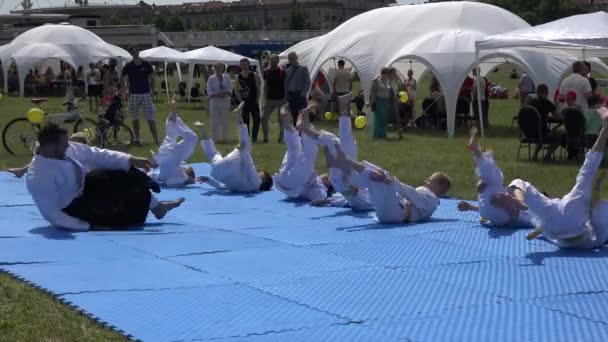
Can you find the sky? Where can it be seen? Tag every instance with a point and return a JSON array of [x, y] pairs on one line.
[[8, 5]]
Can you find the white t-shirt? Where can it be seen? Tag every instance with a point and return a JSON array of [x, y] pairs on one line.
[[580, 85], [342, 81], [93, 76]]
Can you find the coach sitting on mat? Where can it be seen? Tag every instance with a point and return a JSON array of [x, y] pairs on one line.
[[114, 195]]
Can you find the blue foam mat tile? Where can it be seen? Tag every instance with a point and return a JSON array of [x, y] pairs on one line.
[[245, 220], [308, 234], [373, 293], [62, 247], [405, 251], [205, 242], [507, 242], [339, 332], [591, 306], [113, 275], [199, 313], [508, 322], [14, 191], [269, 265], [518, 279]]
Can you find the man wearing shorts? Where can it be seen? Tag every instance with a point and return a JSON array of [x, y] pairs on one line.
[[140, 76], [93, 77]]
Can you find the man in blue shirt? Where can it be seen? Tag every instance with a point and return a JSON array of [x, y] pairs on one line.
[[140, 77]]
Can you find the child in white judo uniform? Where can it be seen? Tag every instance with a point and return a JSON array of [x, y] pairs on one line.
[[489, 185], [172, 154], [394, 201], [572, 221], [236, 171], [297, 177], [347, 193]]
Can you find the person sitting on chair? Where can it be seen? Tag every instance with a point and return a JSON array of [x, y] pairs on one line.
[[547, 110]]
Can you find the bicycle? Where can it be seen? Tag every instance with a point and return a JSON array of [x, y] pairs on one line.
[[112, 128], [19, 136]]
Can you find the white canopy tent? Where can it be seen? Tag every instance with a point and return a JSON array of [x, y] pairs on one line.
[[211, 55], [584, 35], [166, 55], [73, 45], [437, 36], [565, 40]]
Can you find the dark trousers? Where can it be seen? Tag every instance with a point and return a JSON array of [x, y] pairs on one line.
[[252, 109], [485, 108], [115, 199], [296, 102]]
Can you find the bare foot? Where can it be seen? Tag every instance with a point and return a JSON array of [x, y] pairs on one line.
[[164, 207], [464, 206], [509, 203], [474, 141]]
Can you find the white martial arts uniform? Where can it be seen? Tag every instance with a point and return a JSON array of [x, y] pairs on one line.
[[392, 200], [345, 197], [568, 221], [492, 176], [236, 171], [55, 183], [297, 177], [172, 154]]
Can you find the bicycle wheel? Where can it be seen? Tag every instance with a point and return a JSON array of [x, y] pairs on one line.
[[95, 135], [118, 137], [19, 137]]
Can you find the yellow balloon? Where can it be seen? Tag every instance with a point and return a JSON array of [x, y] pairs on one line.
[[360, 121], [35, 115], [402, 93], [329, 115], [403, 97]]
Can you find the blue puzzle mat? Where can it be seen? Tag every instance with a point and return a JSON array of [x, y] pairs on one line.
[[230, 267]]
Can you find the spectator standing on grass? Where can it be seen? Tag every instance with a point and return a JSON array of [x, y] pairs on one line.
[[219, 90], [579, 83], [274, 90], [297, 84], [140, 77], [247, 89], [380, 101], [93, 79], [343, 82]]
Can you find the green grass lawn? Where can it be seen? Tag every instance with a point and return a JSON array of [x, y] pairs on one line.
[[26, 314]]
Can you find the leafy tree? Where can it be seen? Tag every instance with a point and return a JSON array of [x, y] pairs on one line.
[[174, 24], [297, 20]]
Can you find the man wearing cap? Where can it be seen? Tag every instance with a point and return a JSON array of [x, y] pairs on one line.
[[140, 77], [572, 221]]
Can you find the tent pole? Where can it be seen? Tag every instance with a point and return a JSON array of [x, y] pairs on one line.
[[477, 85], [166, 83]]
